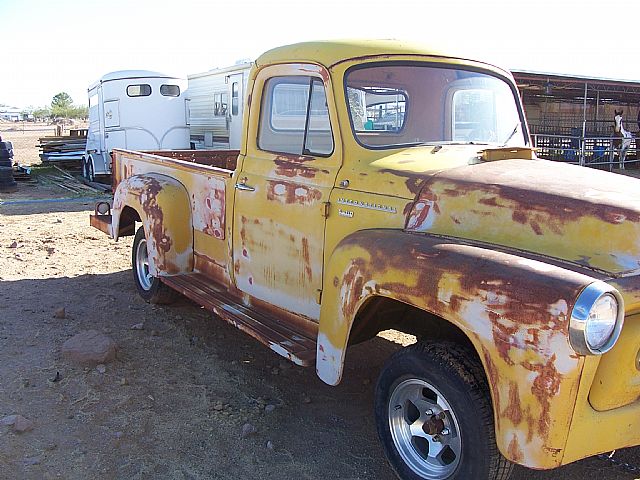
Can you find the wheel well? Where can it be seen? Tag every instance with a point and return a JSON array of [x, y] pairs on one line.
[[128, 219], [382, 313]]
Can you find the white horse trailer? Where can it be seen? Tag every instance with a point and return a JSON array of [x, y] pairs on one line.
[[216, 105], [136, 110]]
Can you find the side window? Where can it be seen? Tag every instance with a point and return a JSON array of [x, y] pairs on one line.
[[220, 101], [319, 140], [294, 117], [234, 98], [142, 90], [170, 90]]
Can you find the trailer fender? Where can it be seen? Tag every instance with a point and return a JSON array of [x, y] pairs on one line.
[[163, 205], [514, 310]]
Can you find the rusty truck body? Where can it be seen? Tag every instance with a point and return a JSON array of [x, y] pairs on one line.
[[384, 185]]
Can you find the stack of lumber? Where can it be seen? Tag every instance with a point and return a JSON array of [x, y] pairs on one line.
[[63, 179], [66, 149]]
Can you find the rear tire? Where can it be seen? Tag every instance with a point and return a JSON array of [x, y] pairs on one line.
[[434, 415], [150, 288], [87, 168]]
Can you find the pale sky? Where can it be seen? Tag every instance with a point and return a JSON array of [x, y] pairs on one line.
[[49, 46]]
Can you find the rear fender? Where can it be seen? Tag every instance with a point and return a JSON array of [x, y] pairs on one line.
[[515, 311], [164, 208]]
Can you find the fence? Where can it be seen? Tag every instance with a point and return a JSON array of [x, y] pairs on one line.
[[591, 151]]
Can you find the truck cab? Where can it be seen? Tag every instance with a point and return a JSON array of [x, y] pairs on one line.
[[384, 185]]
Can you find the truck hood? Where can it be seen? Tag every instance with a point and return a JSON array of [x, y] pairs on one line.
[[576, 214]]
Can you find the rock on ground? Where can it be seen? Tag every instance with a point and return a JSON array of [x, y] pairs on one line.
[[18, 422], [89, 348]]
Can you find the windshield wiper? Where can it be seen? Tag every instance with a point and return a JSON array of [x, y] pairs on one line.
[[515, 129]]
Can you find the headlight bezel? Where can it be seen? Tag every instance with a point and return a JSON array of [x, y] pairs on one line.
[[580, 316]]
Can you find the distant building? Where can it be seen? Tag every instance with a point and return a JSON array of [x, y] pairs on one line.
[[11, 114]]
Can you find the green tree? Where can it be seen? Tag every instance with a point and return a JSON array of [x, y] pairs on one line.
[[62, 100], [42, 113]]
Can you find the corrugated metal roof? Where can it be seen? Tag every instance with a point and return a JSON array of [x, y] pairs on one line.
[[578, 78]]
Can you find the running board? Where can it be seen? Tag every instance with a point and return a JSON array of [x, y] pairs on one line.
[[270, 331]]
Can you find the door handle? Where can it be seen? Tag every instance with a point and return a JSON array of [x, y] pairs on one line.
[[242, 185]]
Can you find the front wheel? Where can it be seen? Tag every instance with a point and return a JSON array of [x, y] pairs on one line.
[[434, 415], [150, 288]]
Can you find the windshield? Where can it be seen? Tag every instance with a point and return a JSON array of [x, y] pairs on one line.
[[394, 105]]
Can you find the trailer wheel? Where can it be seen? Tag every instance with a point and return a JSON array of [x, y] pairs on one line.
[[150, 288], [87, 168], [434, 415]]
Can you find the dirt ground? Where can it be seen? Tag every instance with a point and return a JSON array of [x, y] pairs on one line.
[[174, 403]]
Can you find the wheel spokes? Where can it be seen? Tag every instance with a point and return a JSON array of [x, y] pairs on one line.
[[425, 429]]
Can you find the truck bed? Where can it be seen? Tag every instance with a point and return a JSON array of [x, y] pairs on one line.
[[225, 159]]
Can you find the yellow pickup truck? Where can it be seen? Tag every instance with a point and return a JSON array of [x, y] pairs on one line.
[[383, 185]]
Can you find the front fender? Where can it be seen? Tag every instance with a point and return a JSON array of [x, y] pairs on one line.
[[514, 310], [164, 208]]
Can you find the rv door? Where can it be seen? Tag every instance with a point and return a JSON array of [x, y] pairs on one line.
[[235, 111]]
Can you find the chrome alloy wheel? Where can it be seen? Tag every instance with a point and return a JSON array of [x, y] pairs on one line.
[[142, 266], [424, 429]]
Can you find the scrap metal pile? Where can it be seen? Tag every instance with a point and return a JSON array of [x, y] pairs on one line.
[[64, 150]]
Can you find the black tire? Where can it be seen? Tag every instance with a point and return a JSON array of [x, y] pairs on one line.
[[448, 380], [85, 168], [151, 289], [88, 169]]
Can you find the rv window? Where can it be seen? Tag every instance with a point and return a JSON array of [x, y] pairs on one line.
[[220, 104], [143, 90], [234, 98], [170, 90]]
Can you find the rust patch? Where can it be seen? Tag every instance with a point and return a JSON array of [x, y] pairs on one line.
[[513, 411], [323, 72], [546, 385], [493, 376], [414, 181], [536, 228], [294, 168], [307, 261], [514, 450], [154, 213], [214, 214], [292, 193], [352, 282], [492, 202], [519, 216], [210, 268]]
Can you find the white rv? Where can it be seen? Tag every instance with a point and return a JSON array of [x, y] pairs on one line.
[[216, 105], [136, 110]]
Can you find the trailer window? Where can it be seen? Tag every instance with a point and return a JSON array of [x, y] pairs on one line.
[[170, 90], [220, 104], [295, 118], [234, 98], [142, 90]]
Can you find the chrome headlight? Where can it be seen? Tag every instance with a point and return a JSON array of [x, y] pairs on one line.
[[596, 319]]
